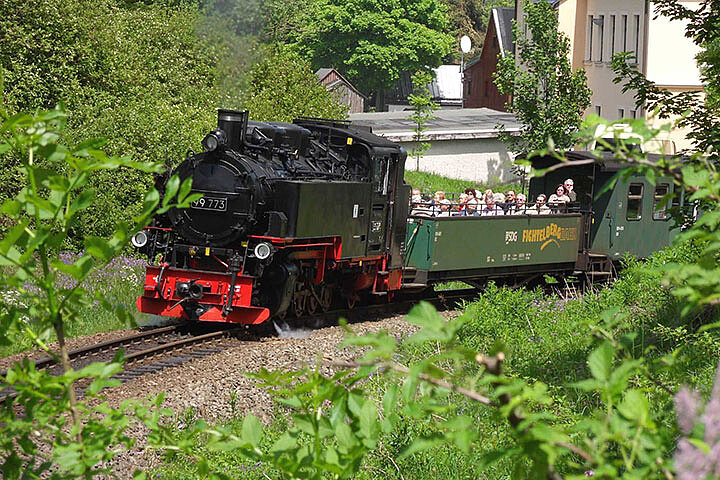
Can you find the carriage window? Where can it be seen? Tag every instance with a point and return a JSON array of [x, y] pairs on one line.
[[660, 211], [634, 201], [677, 199]]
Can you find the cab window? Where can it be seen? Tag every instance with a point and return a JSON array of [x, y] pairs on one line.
[[660, 209], [634, 201]]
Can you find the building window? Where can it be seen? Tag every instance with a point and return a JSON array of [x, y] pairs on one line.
[[621, 113], [636, 31], [660, 208], [589, 40], [487, 88], [598, 110], [633, 113], [634, 201], [600, 22], [624, 33], [612, 36]]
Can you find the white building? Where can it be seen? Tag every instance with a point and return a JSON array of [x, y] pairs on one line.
[[464, 143], [598, 29]]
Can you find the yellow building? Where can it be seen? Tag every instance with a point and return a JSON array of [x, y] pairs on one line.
[[598, 29]]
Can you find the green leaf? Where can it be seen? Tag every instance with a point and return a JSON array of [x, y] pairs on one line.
[[171, 188], [81, 202], [390, 400], [99, 248], [284, 443], [252, 430], [13, 236], [600, 361], [425, 315], [635, 407], [185, 190], [345, 438], [422, 444]]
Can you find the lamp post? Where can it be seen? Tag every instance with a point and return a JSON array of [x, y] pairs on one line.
[[465, 46]]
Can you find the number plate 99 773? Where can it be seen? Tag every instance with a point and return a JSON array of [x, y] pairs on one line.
[[217, 204]]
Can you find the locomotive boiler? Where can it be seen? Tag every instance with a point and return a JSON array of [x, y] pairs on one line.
[[293, 217]]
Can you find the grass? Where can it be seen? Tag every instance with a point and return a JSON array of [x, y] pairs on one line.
[[430, 183], [120, 283], [547, 339]]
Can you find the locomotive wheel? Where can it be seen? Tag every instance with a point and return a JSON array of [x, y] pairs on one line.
[[299, 300], [311, 304], [326, 295], [351, 301]]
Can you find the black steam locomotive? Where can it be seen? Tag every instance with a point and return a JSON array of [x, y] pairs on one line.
[[293, 217]]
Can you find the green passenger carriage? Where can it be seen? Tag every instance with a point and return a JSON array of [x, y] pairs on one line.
[[587, 240]]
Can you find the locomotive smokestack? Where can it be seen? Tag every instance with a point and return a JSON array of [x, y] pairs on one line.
[[233, 123]]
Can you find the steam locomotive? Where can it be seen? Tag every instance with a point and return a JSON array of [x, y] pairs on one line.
[[297, 217], [293, 218]]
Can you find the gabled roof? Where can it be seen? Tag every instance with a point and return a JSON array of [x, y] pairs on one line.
[[503, 18], [322, 73]]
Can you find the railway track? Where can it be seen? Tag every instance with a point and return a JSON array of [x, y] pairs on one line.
[[154, 350]]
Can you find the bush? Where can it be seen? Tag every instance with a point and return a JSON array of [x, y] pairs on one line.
[[136, 74]]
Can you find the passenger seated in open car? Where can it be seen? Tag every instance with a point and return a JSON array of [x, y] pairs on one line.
[[540, 208], [472, 208], [518, 208], [558, 201], [444, 208], [491, 209], [569, 185], [419, 207]]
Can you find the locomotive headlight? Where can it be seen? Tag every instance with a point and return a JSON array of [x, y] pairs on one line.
[[263, 250], [140, 239], [213, 140]]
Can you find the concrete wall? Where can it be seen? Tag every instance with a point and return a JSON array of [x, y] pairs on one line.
[[482, 160]]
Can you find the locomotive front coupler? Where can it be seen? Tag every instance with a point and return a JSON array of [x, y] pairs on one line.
[[235, 264]]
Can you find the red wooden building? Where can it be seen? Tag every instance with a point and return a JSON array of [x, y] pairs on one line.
[[479, 89]]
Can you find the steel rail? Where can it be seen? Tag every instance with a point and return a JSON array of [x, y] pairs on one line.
[[116, 343], [443, 299]]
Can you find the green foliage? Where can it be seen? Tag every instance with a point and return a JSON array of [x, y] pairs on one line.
[[283, 87], [430, 182], [372, 42], [135, 74], [423, 108], [57, 190], [698, 113], [548, 98]]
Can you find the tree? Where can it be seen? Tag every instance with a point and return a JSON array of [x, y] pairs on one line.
[[372, 42], [700, 114], [548, 98], [470, 17], [135, 74], [424, 108], [283, 87]]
